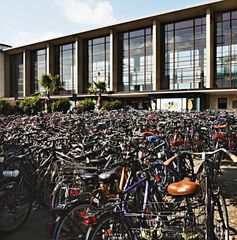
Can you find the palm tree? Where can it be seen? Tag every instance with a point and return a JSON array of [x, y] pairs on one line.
[[98, 88], [51, 85]]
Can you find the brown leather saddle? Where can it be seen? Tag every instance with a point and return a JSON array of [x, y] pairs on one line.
[[183, 188]]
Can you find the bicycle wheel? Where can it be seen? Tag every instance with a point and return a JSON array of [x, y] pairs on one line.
[[70, 224], [220, 218], [15, 204], [111, 227]]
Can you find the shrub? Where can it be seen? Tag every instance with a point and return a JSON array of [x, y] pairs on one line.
[[31, 105], [5, 106], [86, 105], [114, 105], [61, 105]]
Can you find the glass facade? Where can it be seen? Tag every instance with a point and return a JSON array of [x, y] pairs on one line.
[[226, 50], [39, 67], [99, 60], [16, 69], [185, 54], [137, 60], [65, 66]]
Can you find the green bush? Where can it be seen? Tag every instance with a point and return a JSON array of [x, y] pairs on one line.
[[114, 105], [86, 105], [61, 105], [5, 106], [31, 105]]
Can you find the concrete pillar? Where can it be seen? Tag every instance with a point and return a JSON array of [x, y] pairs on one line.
[[2, 75], [210, 48], [114, 61], [50, 59], [77, 63], [156, 73], [111, 64], [26, 73]]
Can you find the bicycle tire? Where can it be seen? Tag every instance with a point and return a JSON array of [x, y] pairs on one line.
[[15, 204], [109, 226], [219, 216], [70, 224]]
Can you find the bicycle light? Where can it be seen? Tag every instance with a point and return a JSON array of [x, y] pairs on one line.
[[90, 219], [74, 192]]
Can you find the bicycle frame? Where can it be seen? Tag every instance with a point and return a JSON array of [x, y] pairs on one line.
[[211, 189]]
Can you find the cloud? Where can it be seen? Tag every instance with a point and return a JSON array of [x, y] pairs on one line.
[[87, 12], [22, 38]]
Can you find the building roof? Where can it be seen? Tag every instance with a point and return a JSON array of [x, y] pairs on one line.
[[164, 17], [3, 46]]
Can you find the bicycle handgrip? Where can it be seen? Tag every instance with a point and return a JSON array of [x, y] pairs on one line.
[[233, 158], [168, 161]]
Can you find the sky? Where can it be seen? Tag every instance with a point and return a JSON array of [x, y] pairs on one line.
[[27, 21]]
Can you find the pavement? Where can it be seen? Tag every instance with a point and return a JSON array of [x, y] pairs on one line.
[[35, 228], [228, 183]]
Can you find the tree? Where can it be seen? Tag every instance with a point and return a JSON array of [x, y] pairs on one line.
[[98, 88], [51, 85]]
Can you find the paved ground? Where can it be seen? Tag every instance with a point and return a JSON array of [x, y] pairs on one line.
[[229, 189], [36, 226]]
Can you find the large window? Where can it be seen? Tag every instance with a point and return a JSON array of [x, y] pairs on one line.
[[234, 104], [39, 67], [226, 50], [65, 66], [137, 60], [99, 60], [185, 54], [17, 75]]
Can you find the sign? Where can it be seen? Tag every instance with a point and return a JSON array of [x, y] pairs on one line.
[[190, 104], [172, 104]]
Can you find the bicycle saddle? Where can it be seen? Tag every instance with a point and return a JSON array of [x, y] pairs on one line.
[[98, 161], [107, 176], [20, 157], [183, 188], [89, 176]]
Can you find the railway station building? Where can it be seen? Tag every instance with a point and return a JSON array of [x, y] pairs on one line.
[[186, 57]]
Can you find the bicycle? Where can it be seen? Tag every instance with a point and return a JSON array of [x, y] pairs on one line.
[[187, 213], [216, 215], [151, 215]]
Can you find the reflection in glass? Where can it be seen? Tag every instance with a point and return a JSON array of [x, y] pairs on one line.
[[65, 66], [137, 61], [39, 67], [185, 55], [226, 50], [17, 75], [99, 60]]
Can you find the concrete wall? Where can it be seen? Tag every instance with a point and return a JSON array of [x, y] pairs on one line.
[[230, 99]]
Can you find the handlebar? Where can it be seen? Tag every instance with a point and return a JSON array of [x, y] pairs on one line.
[[202, 154], [231, 155]]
